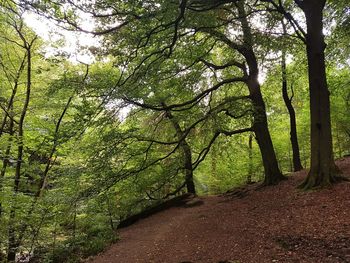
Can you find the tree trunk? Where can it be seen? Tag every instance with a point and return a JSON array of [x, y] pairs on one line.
[[12, 242], [188, 168], [250, 156], [6, 161], [187, 154], [214, 157], [323, 169], [44, 178], [273, 174], [13, 94], [293, 126]]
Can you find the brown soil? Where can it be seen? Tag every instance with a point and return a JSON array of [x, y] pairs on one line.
[[273, 224]]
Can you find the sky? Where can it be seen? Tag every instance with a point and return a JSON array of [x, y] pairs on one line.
[[71, 42]]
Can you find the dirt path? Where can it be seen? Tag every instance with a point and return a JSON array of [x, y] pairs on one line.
[[275, 224]]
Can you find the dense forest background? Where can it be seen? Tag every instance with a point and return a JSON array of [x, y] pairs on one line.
[[181, 96]]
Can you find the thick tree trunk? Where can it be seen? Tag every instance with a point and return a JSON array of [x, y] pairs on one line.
[[273, 174], [293, 126], [323, 170]]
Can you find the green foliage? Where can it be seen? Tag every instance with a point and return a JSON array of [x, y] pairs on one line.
[[99, 145]]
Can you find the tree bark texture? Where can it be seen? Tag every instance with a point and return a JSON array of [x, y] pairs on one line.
[[273, 174], [323, 170]]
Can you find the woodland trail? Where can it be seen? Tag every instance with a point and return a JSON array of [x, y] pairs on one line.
[[273, 224]]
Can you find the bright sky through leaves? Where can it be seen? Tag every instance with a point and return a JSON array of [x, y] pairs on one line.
[[74, 44]]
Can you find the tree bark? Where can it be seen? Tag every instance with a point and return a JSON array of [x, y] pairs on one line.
[[5, 164], [187, 154], [323, 170], [6, 161], [13, 94], [43, 181], [273, 174], [250, 156], [12, 242], [297, 166], [44, 176]]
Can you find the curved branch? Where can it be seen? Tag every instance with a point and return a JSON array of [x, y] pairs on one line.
[[195, 100]]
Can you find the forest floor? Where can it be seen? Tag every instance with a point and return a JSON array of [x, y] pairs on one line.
[[271, 224]]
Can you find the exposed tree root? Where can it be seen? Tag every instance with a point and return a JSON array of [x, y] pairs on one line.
[[322, 180]]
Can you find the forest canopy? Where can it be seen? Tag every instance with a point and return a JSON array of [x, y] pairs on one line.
[[194, 96]]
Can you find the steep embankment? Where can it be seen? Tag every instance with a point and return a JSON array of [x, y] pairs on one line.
[[273, 224]]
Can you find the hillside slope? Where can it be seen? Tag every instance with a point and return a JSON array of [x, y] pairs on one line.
[[273, 224]]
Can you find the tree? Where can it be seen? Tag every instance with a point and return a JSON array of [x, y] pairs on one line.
[[26, 43], [323, 171], [187, 153], [260, 126], [272, 172], [297, 166], [184, 75], [153, 34]]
